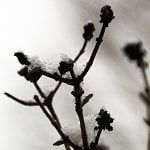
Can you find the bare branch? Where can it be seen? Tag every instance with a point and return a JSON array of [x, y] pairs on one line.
[[53, 122], [39, 90], [22, 102], [86, 99], [81, 51], [77, 94], [57, 77], [95, 50], [93, 145]]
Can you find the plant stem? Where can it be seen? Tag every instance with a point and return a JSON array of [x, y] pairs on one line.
[[22, 102], [147, 88], [53, 122], [57, 77], [81, 51], [93, 146], [79, 110], [147, 92], [50, 106], [95, 50]]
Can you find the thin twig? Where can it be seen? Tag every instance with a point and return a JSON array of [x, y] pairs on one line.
[[39, 90], [81, 51], [86, 99], [22, 102], [53, 92], [147, 95], [50, 106], [93, 145], [95, 50], [53, 122], [57, 77], [79, 110], [147, 87], [47, 102]]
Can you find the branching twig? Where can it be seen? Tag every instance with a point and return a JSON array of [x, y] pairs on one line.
[[93, 145], [77, 94], [94, 52], [147, 99], [53, 122], [81, 51], [34, 74], [57, 77], [39, 90], [22, 102], [86, 99], [50, 106]]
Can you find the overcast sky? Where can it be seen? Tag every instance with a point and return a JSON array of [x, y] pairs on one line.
[[49, 28]]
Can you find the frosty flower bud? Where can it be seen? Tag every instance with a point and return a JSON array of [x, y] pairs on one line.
[[65, 66], [22, 58], [35, 74], [106, 15], [24, 72], [135, 52], [104, 120], [88, 31]]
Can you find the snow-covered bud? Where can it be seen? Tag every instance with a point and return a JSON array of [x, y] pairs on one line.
[[65, 66], [35, 74], [22, 58]]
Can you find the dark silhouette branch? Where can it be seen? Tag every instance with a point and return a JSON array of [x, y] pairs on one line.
[[22, 102], [95, 143], [50, 106], [55, 125], [81, 51], [77, 94], [86, 99], [57, 77], [39, 90], [95, 50]]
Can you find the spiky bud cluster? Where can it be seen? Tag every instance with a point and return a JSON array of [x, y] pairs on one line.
[[104, 120]]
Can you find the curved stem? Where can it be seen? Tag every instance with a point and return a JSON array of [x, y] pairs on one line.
[[95, 50], [81, 51], [53, 122]]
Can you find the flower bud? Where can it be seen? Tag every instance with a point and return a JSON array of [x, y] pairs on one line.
[[65, 66], [104, 120], [22, 58], [88, 31], [106, 15]]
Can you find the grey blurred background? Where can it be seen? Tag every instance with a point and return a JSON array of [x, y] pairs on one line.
[[48, 28]]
